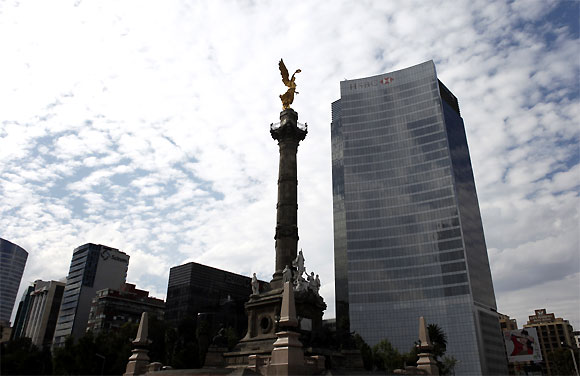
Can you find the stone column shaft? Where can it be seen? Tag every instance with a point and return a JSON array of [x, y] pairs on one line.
[[288, 136]]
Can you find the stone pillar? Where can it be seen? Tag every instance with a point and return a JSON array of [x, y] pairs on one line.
[[288, 135], [426, 361], [139, 361], [287, 355]]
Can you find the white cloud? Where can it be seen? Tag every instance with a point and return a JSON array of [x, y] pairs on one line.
[[144, 126]]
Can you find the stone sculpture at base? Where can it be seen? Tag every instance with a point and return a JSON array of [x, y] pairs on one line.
[[255, 285], [298, 263]]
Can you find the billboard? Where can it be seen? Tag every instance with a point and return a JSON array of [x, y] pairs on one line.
[[522, 345]]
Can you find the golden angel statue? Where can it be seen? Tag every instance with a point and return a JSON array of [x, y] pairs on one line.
[[288, 97]]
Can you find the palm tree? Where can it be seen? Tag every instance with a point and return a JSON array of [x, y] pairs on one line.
[[439, 340]]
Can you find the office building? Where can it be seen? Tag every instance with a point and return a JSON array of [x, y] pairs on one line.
[[40, 312], [506, 323], [111, 308], [93, 267], [553, 333], [215, 295], [408, 235], [12, 262], [21, 313]]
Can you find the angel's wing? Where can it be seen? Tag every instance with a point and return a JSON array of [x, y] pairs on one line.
[[284, 72]]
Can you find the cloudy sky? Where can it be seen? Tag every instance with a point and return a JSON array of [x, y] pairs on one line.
[[144, 125]]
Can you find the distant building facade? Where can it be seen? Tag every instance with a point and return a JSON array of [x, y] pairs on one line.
[[93, 267], [12, 263], [5, 333], [506, 323], [216, 295], [21, 313], [408, 236], [512, 334], [552, 332], [40, 312], [111, 308]]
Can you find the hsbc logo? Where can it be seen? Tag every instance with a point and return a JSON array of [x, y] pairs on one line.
[[363, 85]]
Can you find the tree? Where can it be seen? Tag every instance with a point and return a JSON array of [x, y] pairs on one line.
[[410, 358], [107, 353], [365, 351], [157, 335], [386, 357], [439, 340], [448, 365], [20, 357], [181, 345], [561, 362]]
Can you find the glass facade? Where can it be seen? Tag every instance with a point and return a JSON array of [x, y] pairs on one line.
[[407, 228], [196, 290], [12, 261]]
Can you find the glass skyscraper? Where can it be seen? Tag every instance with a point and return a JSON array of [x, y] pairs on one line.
[[408, 237], [12, 262]]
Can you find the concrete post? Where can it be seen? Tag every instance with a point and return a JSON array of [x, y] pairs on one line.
[[139, 360], [426, 361], [287, 355]]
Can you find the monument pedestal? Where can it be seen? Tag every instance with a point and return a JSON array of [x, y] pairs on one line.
[[263, 313], [287, 356]]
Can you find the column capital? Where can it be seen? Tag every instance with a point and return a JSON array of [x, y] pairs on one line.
[[288, 128]]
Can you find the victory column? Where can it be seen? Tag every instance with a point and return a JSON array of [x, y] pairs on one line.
[[263, 308]]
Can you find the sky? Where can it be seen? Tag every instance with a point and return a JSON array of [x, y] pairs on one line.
[[144, 126]]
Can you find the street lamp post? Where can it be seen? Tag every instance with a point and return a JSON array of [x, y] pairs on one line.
[[102, 362], [573, 356]]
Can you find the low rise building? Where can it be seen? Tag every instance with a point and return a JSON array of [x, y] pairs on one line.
[[506, 323], [111, 308], [553, 333], [520, 360]]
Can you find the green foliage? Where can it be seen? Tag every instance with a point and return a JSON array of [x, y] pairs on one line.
[[410, 358], [439, 340], [365, 350], [386, 357], [181, 346], [21, 357], [106, 353], [447, 366], [203, 339], [561, 362]]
